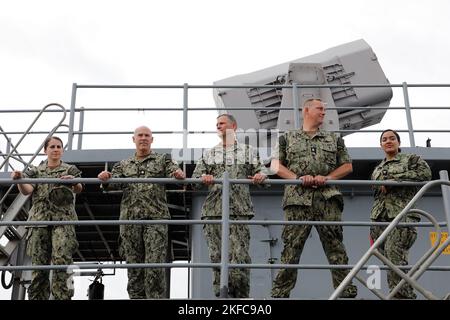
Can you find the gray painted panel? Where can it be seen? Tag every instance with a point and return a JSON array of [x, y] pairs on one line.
[[315, 284]]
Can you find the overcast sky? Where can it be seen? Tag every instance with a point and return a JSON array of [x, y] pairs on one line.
[[48, 45]]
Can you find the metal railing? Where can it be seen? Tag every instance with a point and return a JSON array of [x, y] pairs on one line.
[[421, 266], [295, 106], [9, 144], [415, 271], [185, 109]]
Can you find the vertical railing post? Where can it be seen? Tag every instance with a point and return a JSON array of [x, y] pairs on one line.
[[185, 156], [412, 142], [225, 235], [296, 106], [8, 150], [80, 128], [185, 124], [443, 175], [72, 116]]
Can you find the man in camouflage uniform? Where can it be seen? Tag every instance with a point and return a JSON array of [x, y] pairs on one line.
[[51, 244], [241, 162], [390, 201], [314, 156], [144, 201]]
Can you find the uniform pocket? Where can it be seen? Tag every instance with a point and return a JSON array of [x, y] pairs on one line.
[[297, 157], [329, 153]]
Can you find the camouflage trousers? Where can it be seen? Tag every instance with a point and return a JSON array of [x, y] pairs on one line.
[[239, 243], [145, 244], [396, 248], [294, 238], [55, 245]]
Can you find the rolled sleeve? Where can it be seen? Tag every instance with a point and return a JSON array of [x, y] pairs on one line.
[[171, 166], [342, 155], [279, 152]]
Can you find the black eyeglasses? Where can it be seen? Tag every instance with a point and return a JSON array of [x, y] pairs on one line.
[[57, 147]]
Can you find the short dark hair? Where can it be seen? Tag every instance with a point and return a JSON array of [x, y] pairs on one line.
[[47, 141], [231, 118], [396, 135], [311, 100]]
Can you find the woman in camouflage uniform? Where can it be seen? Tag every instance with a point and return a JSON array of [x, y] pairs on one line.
[[51, 244], [390, 201]]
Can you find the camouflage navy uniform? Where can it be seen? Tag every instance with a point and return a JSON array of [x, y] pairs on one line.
[[404, 167], [317, 155], [55, 244], [144, 201], [240, 161]]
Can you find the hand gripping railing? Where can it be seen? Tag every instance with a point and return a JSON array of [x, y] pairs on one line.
[[224, 265], [419, 268], [9, 155]]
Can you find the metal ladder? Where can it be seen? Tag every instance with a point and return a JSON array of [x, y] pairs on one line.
[[422, 264], [17, 209], [9, 144]]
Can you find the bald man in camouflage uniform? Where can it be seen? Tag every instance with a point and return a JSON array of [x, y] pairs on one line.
[[241, 162], [144, 201], [390, 201], [313, 156], [51, 244]]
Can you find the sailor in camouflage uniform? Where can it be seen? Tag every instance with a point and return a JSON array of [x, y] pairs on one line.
[[390, 201], [144, 201], [241, 162], [51, 244], [313, 156]]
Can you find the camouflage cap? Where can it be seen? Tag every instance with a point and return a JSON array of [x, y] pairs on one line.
[[61, 196]]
